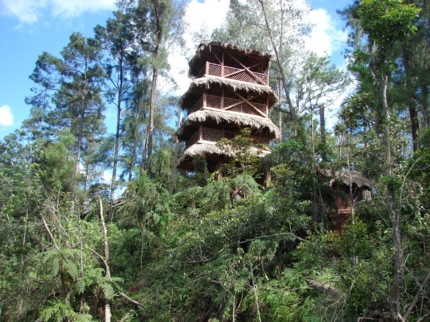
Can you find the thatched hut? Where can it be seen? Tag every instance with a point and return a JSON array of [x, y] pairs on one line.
[[353, 187]]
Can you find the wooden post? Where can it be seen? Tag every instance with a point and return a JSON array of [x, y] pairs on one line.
[[218, 167], [222, 98], [207, 68], [204, 101], [222, 64], [200, 133], [267, 73]]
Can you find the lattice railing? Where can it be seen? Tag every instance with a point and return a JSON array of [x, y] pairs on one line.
[[198, 105], [215, 135], [193, 139], [214, 101], [233, 73]]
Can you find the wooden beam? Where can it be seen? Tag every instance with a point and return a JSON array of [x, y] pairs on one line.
[[216, 56], [258, 79], [250, 104], [222, 64], [241, 70], [204, 101]]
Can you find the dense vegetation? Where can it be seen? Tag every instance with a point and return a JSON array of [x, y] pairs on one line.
[[157, 244]]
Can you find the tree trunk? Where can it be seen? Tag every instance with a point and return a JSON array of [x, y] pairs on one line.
[[117, 139], [413, 115], [115, 162], [386, 125], [154, 79], [322, 124], [281, 68], [425, 102], [173, 173], [393, 209]]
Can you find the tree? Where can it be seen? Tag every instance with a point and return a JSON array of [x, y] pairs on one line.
[[318, 87], [117, 39], [157, 26], [69, 96], [274, 26]]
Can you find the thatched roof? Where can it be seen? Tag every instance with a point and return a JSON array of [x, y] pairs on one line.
[[210, 151], [348, 178], [225, 117], [200, 84], [205, 48]]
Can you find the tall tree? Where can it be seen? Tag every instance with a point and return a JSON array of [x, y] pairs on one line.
[[278, 27], [116, 39], [318, 88], [386, 23], [69, 95], [157, 25]]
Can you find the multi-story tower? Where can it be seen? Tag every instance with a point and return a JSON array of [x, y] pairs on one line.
[[230, 91]]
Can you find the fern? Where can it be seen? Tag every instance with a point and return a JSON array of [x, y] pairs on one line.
[[72, 269], [108, 290], [59, 311]]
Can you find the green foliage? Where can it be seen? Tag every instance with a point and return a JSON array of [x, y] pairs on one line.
[[228, 249], [387, 21], [245, 158]]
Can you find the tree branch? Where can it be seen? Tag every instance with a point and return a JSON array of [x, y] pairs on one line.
[[49, 232], [415, 300], [130, 299]]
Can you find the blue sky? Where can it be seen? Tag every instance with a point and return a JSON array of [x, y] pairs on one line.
[[30, 27]]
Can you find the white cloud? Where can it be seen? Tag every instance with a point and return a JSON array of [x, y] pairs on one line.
[[6, 117], [107, 176], [29, 11], [199, 17], [325, 38]]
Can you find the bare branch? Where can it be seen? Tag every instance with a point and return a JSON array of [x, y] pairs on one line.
[[49, 232], [130, 299], [415, 300]]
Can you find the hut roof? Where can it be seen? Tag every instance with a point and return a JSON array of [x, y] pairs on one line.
[[210, 150], [349, 178], [200, 84], [205, 48], [239, 119]]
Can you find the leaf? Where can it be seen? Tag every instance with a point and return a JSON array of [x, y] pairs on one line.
[[72, 269], [108, 290]]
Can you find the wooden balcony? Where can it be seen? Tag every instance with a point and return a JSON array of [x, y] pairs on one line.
[[230, 104], [214, 135], [239, 74]]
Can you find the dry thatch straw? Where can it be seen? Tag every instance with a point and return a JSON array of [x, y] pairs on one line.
[[241, 120], [205, 48], [213, 149], [207, 81], [348, 178]]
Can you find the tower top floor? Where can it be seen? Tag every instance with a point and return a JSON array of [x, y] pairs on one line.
[[230, 61]]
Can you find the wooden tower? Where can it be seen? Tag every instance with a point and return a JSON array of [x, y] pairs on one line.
[[229, 91]]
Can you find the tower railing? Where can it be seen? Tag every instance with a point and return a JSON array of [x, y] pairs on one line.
[[239, 74], [215, 135], [229, 104]]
